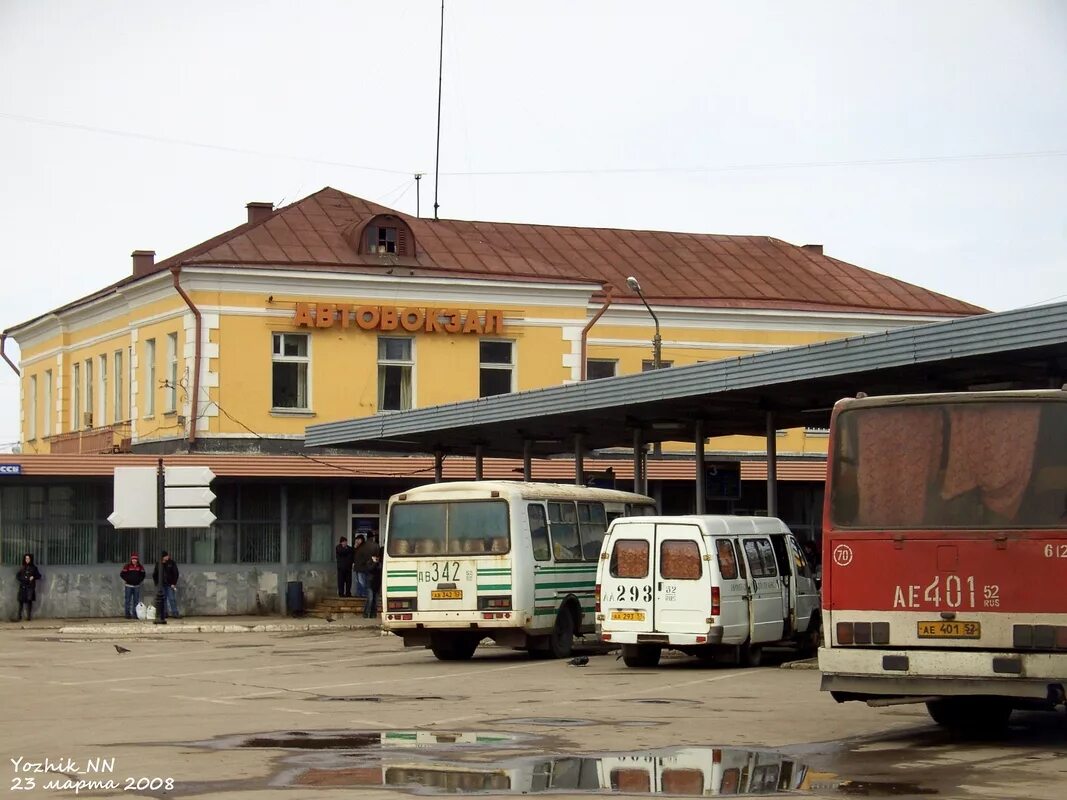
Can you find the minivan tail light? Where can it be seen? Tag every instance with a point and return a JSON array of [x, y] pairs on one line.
[[596, 596], [714, 601]]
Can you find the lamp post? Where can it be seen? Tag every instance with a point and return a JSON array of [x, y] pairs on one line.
[[657, 345]]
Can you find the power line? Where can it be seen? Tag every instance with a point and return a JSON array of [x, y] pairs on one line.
[[148, 137]]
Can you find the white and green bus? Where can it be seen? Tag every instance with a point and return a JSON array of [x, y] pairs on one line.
[[505, 560]]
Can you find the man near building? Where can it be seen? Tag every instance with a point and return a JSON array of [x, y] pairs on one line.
[[360, 563], [167, 594], [132, 576], [344, 568]]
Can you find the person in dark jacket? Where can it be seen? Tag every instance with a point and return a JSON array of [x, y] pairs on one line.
[[374, 587], [344, 568], [28, 577], [167, 590], [360, 559], [132, 576]]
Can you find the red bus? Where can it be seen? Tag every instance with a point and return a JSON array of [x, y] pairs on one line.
[[945, 553]]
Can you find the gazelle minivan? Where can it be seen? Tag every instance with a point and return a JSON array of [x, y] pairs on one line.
[[712, 586]]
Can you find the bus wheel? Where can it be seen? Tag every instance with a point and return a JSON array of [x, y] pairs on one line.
[[749, 655], [973, 715], [640, 655], [453, 648], [561, 640]]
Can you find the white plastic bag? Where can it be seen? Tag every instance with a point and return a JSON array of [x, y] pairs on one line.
[[146, 612]]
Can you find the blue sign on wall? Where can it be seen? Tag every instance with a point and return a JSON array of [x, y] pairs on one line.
[[10, 469]]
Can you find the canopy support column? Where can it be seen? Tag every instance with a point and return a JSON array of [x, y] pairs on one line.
[[579, 464], [639, 449], [772, 466], [438, 465], [698, 457], [478, 461], [527, 460]]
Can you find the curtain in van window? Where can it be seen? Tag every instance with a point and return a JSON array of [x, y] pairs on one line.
[[724, 549], [679, 559], [629, 558]]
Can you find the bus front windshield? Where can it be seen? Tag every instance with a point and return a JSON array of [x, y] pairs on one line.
[[472, 527], [972, 465]]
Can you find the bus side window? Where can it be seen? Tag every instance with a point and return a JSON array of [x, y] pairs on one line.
[[592, 524], [563, 527], [538, 532]]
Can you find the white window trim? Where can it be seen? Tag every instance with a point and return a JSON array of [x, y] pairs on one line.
[[118, 364], [31, 409], [511, 367], [389, 362], [76, 397], [101, 368], [48, 400], [172, 374], [306, 411], [150, 377], [613, 361], [89, 409]]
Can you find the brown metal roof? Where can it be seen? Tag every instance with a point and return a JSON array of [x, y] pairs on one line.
[[694, 269], [455, 467]]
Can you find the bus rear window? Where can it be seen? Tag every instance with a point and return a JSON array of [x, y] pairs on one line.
[[629, 558], [981, 465], [473, 527]]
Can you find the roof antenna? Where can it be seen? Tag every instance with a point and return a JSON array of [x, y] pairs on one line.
[[440, 69], [418, 179]]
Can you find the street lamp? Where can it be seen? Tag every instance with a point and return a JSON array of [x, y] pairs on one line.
[[657, 343]]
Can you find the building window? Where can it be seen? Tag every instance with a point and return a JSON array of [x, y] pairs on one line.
[[31, 410], [118, 386], [646, 365], [496, 369], [103, 390], [47, 419], [394, 373], [290, 371], [172, 373], [387, 235], [76, 404], [600, 368], [150, 377], [88, 420]]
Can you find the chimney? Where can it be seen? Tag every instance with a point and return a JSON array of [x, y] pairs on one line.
[[257, 212], [813, 248], [144, 261]]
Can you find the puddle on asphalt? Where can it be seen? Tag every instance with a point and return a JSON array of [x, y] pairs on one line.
[[433, 762], [555, 722], [386, 698]]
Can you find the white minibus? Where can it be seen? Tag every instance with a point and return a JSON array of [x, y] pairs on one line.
[[712, 586], [510, 561]]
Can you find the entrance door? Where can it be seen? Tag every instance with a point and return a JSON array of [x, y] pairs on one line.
[[683, 582], [765, 590], [365, 517], [626, 591]]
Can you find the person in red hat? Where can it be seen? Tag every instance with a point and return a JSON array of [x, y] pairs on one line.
[[133, 576]]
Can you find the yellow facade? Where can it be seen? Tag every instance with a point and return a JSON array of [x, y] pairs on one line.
[[123, 365]]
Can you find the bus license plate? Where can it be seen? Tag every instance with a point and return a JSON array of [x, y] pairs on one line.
[[944, 629], [628, 616], [446, 594]]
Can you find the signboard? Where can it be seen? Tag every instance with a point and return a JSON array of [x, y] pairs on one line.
[[135, 498], [186, 497], [10, 469], [386, 318], [722, 480]]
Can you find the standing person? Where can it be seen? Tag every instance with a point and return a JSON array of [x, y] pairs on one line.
[[360, 559], [344, 568], [28, 577], [133, 576], [374, 586], [167, 592]]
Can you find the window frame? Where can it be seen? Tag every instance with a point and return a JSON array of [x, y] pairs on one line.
[[688, 543], [279, 357], [383, 363], [49, 401], [496, 366], [31, 410], [76, 400], [150, 377], [543, 522], [172, 374], [102, 378], [719, 542], [117, 365], [89, 410], [614, 362]]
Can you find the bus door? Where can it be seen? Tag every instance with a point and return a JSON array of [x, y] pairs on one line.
[[765, 590], [683, 583], [626, 593]]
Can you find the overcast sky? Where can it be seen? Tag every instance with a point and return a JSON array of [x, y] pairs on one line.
[[927, 141]]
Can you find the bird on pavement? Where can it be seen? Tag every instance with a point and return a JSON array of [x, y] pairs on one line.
[[328, 618], [580, 661], [121, 650]]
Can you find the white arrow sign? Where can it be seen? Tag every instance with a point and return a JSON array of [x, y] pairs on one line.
[[135, 498], [189, 517], [187, 496], [187, 476]]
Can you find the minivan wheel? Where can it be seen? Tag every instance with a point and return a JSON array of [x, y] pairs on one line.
[[749, 655], [561, 640], [640, 655]]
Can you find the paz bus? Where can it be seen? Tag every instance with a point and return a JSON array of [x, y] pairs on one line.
[[945, 553], [510, 561]]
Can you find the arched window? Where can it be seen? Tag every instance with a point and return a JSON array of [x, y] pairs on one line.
[[387, 234]]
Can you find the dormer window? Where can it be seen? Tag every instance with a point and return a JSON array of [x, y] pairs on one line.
[[387, 235]]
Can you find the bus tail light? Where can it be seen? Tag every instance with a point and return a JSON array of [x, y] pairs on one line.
[[845, 633], [715, 597], [401, 604], [862, 633], [494, 603], [596, 596], [1040, 637]]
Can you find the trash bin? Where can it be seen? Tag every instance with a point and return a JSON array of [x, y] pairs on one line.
[[294, 598]]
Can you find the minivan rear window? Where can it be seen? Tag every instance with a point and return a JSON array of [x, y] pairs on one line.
[[724, 549], [629, 558], [679, 559]]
